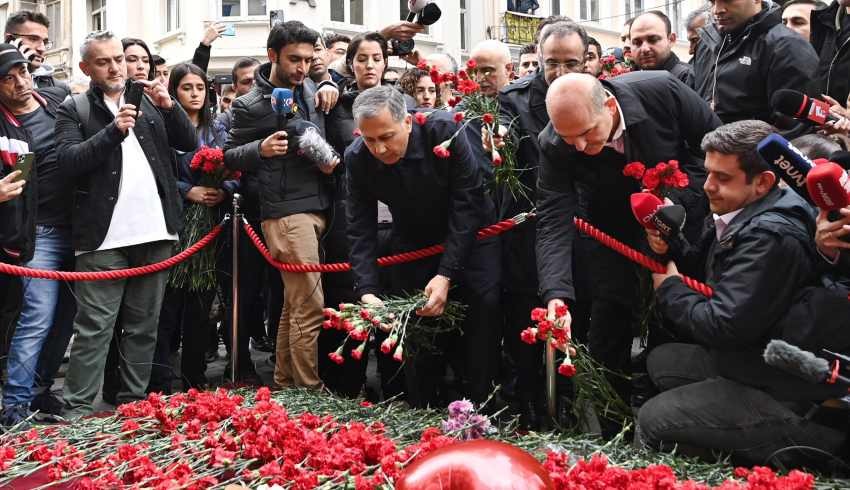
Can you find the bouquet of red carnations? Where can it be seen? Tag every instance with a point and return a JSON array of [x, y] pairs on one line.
[[396, 317], [660, 179], [471, 106], [198, 273]]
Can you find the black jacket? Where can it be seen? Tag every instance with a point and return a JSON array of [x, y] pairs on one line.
[[764, 258], [833, 46], [18, 216], [285, 185], [432, 200], [522, 108], [752, 63], [665, 120], [89, 153], [681, 70]]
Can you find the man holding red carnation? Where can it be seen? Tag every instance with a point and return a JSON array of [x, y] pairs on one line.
[[596, 129], [428, 175]]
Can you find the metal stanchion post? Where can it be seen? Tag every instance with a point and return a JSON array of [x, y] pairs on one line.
[[234, 319], [550, 380]]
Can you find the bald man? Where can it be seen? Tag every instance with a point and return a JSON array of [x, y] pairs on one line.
[[493, 66], [597, 128], [652, 41]]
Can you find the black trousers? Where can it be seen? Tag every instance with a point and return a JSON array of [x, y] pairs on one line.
[[475, 352], [702, 414]]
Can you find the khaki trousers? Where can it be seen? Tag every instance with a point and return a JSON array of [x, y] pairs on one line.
[[295, 239]]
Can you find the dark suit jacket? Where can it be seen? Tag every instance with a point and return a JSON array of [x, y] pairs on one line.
[[665, 120]]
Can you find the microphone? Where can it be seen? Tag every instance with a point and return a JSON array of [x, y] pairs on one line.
[[669, 221], [427, 11], [644, 206], [829, 188], [282, 101], [790, 163], [799, 363], [313, 147], [800, 106]]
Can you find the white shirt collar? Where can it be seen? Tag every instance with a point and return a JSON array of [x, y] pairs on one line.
[[721, 222], [617, 142]]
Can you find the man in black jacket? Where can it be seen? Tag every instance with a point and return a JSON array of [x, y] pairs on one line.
[[522, 108], [294, 193], [757, 254], [126, 213], [432, 199], [596, 129], [652, 39], [745, 56], [831, 39]]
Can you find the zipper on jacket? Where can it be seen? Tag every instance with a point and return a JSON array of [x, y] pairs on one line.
[[832, 63], [716, 67]]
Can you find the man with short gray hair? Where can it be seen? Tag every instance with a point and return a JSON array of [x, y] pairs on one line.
[[125, 213], [428, 174]]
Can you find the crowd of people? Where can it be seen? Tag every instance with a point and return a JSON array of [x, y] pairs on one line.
[[111, 181]]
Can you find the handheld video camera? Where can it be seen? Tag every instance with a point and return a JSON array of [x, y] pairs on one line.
[[423, 12]]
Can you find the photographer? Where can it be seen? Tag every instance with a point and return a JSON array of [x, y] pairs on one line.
[[126, 214], [294, 193]]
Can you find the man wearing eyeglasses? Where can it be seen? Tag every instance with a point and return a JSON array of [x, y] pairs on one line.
[[27, 30], [561, 48]]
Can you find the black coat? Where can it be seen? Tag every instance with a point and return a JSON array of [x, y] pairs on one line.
[[665, 120], [93, 162], [432, 200], [681, 70], [752, 63], [285, 185], [765, 257], [18, 216], [522, 108], [833, 46]]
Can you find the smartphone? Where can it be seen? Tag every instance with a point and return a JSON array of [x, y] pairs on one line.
[[24, 164], [230, 30], [275, 17], [133, 94]]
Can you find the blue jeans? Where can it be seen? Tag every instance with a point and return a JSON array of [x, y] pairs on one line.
[[38, 318]]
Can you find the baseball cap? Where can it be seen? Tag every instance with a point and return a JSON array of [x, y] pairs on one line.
[[9, 58]]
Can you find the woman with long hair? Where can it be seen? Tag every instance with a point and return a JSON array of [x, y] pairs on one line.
[[138, 58]]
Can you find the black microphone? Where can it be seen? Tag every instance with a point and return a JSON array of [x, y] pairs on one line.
[[800, 106], [669, 221], [791, 164], [799, 363]]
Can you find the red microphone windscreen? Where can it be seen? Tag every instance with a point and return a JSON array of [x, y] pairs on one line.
[[644, 205], [828, 186], [818, 112]]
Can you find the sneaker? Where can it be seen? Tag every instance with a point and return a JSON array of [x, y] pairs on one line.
[[47, 402], [263, 344], [15, 416]]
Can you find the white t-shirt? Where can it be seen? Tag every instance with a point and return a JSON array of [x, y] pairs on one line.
[[138, 216]]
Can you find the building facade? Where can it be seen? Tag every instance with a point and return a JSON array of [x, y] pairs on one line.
[[173, 28]]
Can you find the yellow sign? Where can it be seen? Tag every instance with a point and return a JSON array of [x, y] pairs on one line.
[[520, 28]]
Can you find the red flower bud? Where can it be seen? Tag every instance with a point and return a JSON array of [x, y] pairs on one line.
[[487, 118], [567, 370], [458, 117], [421, 118]]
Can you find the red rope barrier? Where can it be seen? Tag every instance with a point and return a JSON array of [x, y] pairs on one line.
[[635, 256], [490, 231], [15, 270]]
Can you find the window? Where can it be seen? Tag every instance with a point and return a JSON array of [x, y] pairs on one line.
[[464, 26], [53, 11], [556, 7], [674, 11], [588, 10], [97, 15], [354, 9], [240, 8], [635, 8], [172, 15], [32, 6]]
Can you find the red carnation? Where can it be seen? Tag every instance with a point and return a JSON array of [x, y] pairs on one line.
[[471, 64], [529, 335], [458, 117], [336, 357], [538, 314], [561, 311], [567, 370], [634, 170], [421, 118], [435, 76], [442, 150], [497, 159], [487, 118], [422, 65]]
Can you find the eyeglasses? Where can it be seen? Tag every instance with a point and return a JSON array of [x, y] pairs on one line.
[[48, 44], [572, 65]]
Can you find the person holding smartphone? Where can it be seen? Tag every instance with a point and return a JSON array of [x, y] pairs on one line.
[[35, 229], [28, 31]]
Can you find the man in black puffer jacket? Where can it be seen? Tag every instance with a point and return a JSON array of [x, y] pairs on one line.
[[295, 194], [746, 56], [831, 39], [757, 254]]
